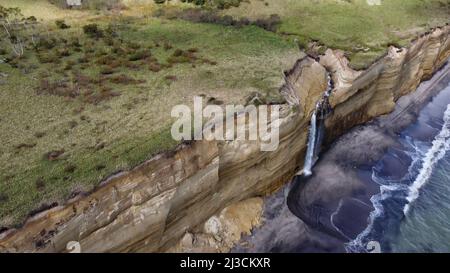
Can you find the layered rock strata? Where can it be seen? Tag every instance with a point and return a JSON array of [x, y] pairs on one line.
[[150, 208]]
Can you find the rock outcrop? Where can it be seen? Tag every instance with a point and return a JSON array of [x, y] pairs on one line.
[[222, 231], [151, 207]]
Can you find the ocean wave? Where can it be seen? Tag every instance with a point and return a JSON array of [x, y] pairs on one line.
[[359, 244], [439, 147], [423, 158]]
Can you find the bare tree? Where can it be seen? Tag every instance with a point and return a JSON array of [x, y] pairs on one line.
[[17, 29]]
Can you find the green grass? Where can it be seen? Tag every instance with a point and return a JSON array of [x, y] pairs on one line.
[[120, 132], [361, 30], [132, 126]]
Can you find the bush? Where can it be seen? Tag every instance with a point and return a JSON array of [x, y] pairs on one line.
[[225, 4], [139, 55], [212, 17], [106, 70], [48, 58], [61, 24], [75, 43], [46, 44], [93, 31], [124, 79], [219, 4], [180, 56], [155, 67], [270, 23], [63, 52]]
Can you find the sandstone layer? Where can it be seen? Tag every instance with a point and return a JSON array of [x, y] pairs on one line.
[[152, 207]]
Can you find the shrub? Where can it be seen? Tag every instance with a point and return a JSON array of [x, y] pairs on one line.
[[170, 78], [69, 65], [3, 197], [167, 46], [61, 24], [214, 101], [83, 60], [180, 56], [106, 70], [225, 4], [63, 52], [39, 134], [155, 67], [46, 44], [54, 155], [139, 55], [270, 23], [133, 45], [75, 42], [93, 31], [112, 30], [104, 94], [70, 168], [40, 184], [24, 145], [48, 58], [255, 98], [57, 88], [219, 4], [124, 79], [202, 16]]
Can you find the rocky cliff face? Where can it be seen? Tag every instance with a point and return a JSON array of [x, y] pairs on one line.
[[361, 96], [152, 207]]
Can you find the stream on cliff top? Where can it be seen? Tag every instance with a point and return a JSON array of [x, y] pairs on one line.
[[385, 184]]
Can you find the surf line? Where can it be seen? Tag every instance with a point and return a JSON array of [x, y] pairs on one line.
[[440, 145]]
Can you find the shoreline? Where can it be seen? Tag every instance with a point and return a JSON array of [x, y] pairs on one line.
[[317, 232]]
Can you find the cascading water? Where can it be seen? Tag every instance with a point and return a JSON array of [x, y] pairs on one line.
[[316, 131], [311, 146]]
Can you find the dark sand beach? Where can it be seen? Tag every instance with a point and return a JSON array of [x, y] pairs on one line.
[[344, 206]]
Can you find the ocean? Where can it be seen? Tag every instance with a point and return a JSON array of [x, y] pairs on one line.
[[382, 187], [412, 210]]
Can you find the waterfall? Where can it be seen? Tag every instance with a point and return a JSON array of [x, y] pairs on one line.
[[311, 146], [317, 130]]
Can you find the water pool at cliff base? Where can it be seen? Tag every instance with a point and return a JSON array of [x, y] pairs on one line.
[[383, 186]]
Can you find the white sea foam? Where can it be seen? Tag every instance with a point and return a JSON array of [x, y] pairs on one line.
[[358, 244], [386, 188], [440, 145], [341, 202]]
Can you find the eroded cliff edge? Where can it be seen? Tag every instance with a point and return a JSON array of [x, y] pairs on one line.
[[149, 208]]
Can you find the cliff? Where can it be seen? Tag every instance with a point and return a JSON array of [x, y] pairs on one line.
[[151, 207]]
